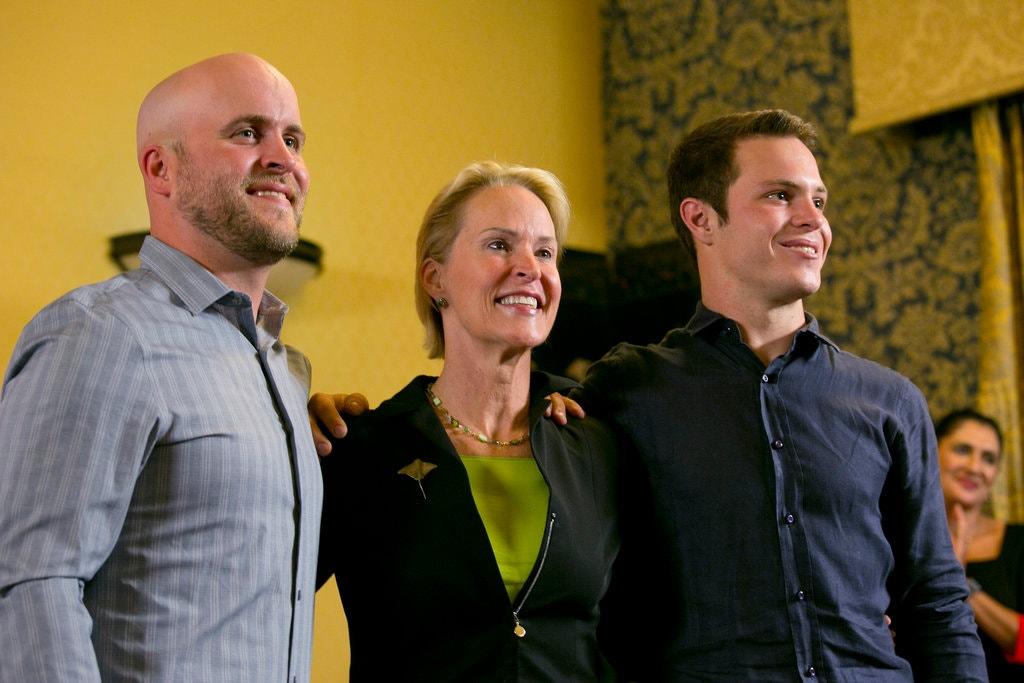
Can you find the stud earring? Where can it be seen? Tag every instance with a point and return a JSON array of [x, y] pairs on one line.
[[441, 302]]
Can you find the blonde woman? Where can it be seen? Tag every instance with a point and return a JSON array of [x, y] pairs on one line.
[[472, 539]]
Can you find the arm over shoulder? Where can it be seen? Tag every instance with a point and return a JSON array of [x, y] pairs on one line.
[[600, 388]]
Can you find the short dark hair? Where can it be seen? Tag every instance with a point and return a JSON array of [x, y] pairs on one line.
[[949, 422], [703, 166]]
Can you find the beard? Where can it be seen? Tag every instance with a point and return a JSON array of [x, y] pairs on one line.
[[218, 207]]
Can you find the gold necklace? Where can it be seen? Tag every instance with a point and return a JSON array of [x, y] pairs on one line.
[[452, 422]]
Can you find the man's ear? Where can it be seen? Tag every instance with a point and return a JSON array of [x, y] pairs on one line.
[[700, 219], [155, 162], [430, 278]]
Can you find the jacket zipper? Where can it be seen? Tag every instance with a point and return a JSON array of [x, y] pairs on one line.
[[520, 630]]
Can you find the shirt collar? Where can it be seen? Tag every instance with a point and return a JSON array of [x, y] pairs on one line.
[[199, 289], [706, 321]]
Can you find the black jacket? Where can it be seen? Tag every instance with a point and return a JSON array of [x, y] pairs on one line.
[[416, 573]]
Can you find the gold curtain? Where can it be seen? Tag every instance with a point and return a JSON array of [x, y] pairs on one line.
[[999, 145], [916, 58]]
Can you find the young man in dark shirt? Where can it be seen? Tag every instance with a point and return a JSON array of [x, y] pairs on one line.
[[782, 495]]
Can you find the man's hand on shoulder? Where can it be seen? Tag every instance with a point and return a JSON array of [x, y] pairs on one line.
[[560, 407], [327, 410]]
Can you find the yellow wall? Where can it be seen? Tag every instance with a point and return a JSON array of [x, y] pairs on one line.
[[396, 96]]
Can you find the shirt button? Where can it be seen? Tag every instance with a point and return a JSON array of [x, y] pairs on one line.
[[789, 519], [811, 672], [777, 444], [800, 596], [765, 379]]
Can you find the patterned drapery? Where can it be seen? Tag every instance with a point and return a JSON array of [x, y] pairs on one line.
[[1000, 150]]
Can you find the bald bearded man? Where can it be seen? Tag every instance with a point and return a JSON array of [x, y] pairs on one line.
[[159, 489]]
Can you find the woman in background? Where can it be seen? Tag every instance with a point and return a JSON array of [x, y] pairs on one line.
[[992, 551], [470, 538]]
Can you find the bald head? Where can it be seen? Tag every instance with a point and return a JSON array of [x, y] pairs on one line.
[[169, 106], [220, 150]]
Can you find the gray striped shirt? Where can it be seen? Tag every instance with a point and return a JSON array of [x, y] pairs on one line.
[[159, 490]]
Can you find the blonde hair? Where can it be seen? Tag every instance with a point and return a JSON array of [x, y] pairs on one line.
[[443, 218]]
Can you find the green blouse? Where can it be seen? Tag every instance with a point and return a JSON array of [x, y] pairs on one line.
[[512, 499]]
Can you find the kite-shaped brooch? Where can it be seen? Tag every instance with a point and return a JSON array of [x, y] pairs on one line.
[[418, 470]]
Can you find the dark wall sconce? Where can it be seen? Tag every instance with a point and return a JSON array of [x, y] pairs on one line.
[[286, 278]]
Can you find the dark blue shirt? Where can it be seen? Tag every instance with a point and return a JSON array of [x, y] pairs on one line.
[[773, 515]]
